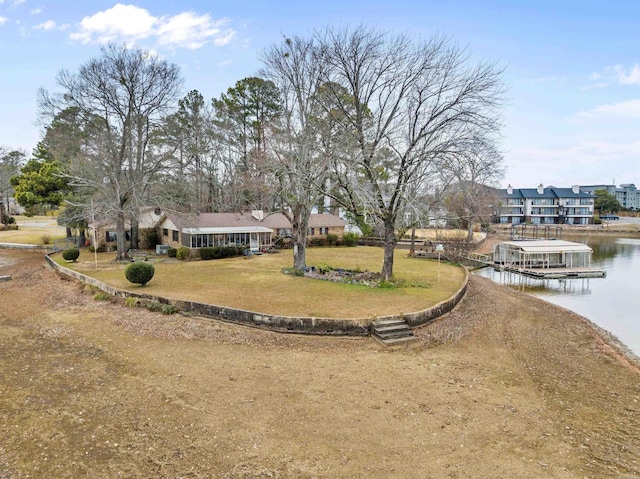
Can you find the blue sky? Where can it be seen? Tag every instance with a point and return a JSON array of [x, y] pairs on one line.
[[572, 68]]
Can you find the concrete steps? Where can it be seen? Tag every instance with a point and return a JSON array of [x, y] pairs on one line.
[[392, 332]]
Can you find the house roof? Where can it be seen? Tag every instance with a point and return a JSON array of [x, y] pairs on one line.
[[242, 220], [548, 192], [515, 193], [225, 230], [548, 246], [569, 193]]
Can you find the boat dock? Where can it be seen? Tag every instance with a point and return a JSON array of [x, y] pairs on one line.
[[553, 273], [544, 259]]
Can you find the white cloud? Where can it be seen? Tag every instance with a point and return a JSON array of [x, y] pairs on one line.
[[48, 25], [616, 74], [130, 24], [192, 31], [627, 109], [36, 11], [631, 78], [3, 20], [119, 23]]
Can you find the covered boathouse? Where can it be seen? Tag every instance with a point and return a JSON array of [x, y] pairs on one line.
[[546, 258]]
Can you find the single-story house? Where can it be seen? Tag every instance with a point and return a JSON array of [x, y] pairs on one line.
[[254, 229], [106, 234]]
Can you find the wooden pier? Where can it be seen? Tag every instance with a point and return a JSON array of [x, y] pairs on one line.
[[553, 273]]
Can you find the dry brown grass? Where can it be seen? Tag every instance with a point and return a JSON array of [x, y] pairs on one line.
[[46, 227], [516, 388], [258, 284], [431, 234]]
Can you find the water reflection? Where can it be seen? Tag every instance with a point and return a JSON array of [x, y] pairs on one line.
[[527, 284], [611, 302]]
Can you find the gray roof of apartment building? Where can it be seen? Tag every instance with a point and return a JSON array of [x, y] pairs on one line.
[[548, 192]]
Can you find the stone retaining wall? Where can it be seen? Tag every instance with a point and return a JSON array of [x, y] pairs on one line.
[[286, 324]]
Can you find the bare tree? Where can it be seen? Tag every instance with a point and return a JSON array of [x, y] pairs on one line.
[[474, 172], [410, 106], [295, 67], [123, 94]]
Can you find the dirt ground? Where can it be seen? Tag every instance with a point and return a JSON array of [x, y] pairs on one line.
[[506, 386]]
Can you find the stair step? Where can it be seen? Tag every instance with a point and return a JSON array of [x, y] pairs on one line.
[[390, 334], [403, 340], [387, 322], [391, 327]]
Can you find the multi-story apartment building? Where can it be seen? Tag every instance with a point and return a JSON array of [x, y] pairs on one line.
[[626, 194], [548, 205]]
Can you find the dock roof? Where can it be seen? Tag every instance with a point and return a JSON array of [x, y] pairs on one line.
[[548, 246]]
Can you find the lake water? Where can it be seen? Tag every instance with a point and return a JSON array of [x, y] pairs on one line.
[[613, 303]]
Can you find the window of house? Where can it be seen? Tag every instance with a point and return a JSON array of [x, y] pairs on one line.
[[111, 236], [311, 231], [165, 232], [175, 235]]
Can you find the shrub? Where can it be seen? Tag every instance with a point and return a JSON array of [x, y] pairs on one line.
[[350, 239], [182, 252], [139, 272], [71, 254], [152, 239], [323, 268], [10, 220], [217, 252], [131, 302], [317, 241], [102, 296], [91, 249], [157, 307], [332, 240], [171, 252], [46, 239]]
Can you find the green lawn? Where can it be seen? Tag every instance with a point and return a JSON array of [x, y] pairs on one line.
[[257, 284]]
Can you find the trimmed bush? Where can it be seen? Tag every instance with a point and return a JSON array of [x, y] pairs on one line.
[[350, 239], [217, 252], [71, 254], [182, 252], [171, 252], [139, 272], [317, 241], [332, 240]]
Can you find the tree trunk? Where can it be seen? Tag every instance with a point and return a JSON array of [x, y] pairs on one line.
[[469, 230], [299, 226], [81, 238], [121, 253], [299, 233], [135, 233], [389, 248]]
